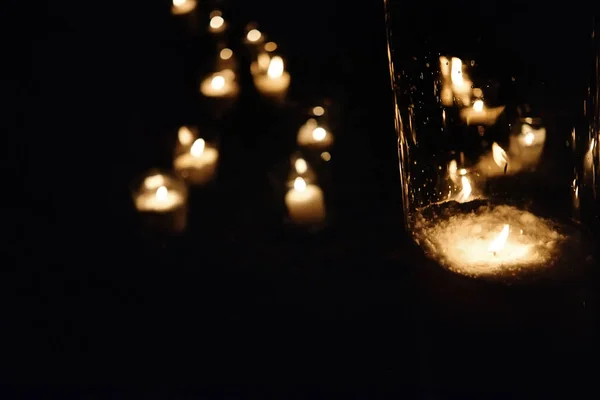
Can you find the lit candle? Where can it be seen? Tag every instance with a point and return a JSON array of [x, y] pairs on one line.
[[314, 136], [305, 203], [479, 114], [276, 80], [220, 84], [455, 83], [217, 22], [181, 7], [199, 165], [162, 203], [478, 239], [254, 37]]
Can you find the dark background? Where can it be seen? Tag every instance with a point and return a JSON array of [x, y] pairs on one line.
[[97, 93]]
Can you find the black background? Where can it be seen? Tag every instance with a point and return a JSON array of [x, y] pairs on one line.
[[98, 91]]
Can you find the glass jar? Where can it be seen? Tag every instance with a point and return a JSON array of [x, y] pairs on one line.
[[490, 110]]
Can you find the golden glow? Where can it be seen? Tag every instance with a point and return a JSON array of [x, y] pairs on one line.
[[263, 61], [217, 22], [301, 166], [499, 155], [452, 167], [478, 106], [326, 156], [498, 243], [528, 139], [466, 190], [445, 66], [253, 35], [318, 111], [162, 193], [319, 134], [456, 73], [226, 54], [185, 135], [198, 148], [217, 82], [271, 46], [179, 3], [275, 68], [299, 184], [154, 181]]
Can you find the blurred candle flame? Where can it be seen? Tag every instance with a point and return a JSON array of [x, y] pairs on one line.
[[466, 190], [275, 69], [301, 166], [226, 54], [217, 82], [185, 136], [299, 184], [198, 148], [253, 35], [499, 155], [154, 181], [319, 134], [162, 193]]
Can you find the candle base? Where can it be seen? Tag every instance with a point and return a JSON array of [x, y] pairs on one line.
[[459, 237], [164, 223]]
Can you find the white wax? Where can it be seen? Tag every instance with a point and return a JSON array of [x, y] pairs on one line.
[[462, 240], [198, 170], [306, 138], [306, 206], [270, 86], [183, 6], [150, 202], [227, 87]]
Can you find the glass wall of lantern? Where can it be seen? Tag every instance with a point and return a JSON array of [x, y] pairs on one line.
[[161, 201], [486, 117]]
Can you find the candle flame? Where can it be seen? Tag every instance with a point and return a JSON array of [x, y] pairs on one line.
[[466, 190], [185, 136], [263, 61], [478, 106], [216, 22], [253, 35], [318, 111], [271, 46], [299, 184], [456, 74], [301, 166], [275, 67], [319, 134], [498, 243], [154, 181], [500, 156], [217, 82], [226, 54], [198, 148], [162, 193], [178, 3]]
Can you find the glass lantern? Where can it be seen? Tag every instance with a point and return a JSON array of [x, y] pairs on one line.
[[490, 112]]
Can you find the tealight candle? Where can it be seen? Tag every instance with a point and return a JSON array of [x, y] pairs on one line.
[[478, 239], [305, 203], [276, 81], [314, 136], [199, 165], [479, 114], [220, 84], [162, 204], [181, 7]]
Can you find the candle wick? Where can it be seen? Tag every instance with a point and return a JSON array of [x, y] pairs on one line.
[[505, 168]]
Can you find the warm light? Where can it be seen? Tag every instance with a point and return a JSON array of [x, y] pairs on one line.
[[253, 35], [162, 193], [529, 138], [271, 46], [498, 243], [226, 54], [500, 156], [263, 61], [318, 111], [301, 166], [478, 106], [462, 171], [198, 148], [218, 82], [319, 134], [154, 181], [326, 156], [299, 184], [445, 66], [185, 135], [456, 72], [217, 22], [452, 167], [179, 3], [275, 68], [466, 189]]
